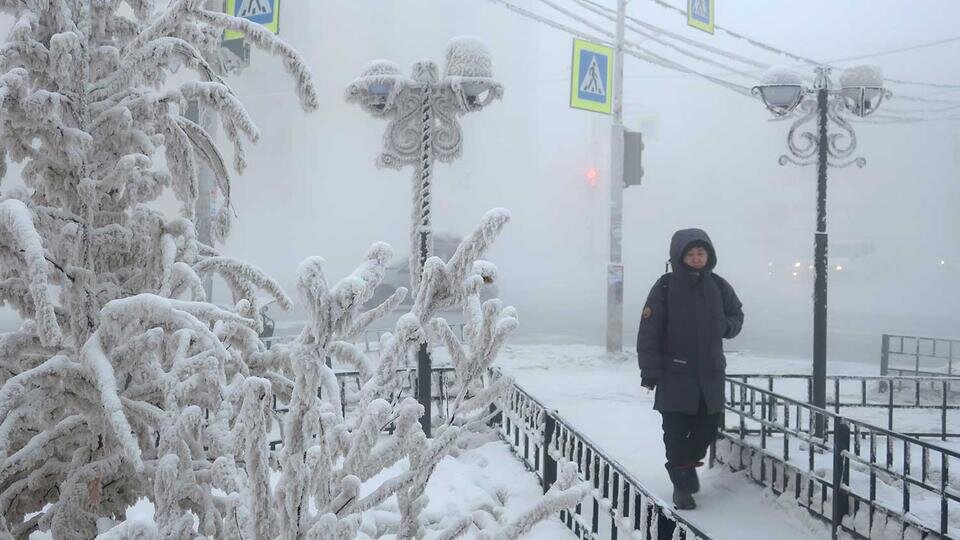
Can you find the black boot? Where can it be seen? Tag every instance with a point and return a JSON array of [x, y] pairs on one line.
[[694, 480], [690, 476], [682, 494]]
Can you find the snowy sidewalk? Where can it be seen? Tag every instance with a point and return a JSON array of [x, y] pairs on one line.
[[604, 400]]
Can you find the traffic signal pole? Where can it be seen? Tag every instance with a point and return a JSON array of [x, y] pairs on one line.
[[614, 274]]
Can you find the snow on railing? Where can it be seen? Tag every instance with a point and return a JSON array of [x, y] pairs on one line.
[[869, 398], [915, 355], [859, 477], [619, 505]]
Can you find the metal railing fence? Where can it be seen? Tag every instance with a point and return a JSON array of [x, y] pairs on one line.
[[348, 382], [619, 505], [915, 355], [888, 400], [370, 340], [860, 477]]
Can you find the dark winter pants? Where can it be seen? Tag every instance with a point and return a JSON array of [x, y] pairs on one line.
[[686, 437]]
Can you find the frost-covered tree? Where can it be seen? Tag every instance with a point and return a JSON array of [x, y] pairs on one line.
[[107, 384], [326, 456], [124, 382]]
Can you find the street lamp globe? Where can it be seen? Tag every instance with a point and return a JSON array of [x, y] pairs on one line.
[[780, 89], [376, 87], [862, 89], [469, 70]]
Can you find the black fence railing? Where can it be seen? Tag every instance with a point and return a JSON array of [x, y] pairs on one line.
[[868, 481], [901, 403], [369, 340], [914, 355], [349, 385], [619, 506]]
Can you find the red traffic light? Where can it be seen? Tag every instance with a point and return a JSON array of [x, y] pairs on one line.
[[592, 176]]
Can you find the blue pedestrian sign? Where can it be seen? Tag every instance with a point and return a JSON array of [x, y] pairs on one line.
[[263, 12], [591, 83], [701, 14]]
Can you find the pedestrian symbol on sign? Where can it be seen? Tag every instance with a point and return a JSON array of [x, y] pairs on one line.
[[700, 9], [266, 13], [592, 82], [252, 8], [592, 77], [701, 14]]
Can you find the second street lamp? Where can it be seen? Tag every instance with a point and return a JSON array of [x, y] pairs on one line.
[[422, 111], [859, 93]]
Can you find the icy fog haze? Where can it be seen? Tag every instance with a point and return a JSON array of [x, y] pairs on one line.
[[710, 160]]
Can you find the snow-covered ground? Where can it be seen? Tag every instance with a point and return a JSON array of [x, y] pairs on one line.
[[487, 479], [602, 397]]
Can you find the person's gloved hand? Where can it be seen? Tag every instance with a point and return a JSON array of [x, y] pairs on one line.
[[648, 382]]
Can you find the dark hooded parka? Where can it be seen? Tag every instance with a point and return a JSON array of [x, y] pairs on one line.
[[687, 316]]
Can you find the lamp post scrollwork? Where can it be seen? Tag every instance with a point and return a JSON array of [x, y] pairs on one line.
[[859, 93], [422, 112]]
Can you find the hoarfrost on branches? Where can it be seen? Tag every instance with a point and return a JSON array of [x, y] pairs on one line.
[[104, 388], [123, 382]]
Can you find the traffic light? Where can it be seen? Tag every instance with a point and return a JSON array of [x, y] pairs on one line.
[[632, 158], [592, 176]]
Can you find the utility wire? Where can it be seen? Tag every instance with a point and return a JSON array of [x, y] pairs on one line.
[[750, 61], [651, 57], [902, 49], [920, 83], [749, 40], [683, 39], [646, 54], [551, 23], [612, 17], [812, 62], [923, 110]]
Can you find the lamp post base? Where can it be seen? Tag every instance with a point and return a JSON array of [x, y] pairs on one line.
[[424, 368]]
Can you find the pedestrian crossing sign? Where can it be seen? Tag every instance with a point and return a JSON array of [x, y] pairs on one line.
[[263, 12], [591, 83], [701, 14]]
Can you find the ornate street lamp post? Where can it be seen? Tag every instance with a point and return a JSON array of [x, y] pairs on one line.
[[422, 111], [859, 93]]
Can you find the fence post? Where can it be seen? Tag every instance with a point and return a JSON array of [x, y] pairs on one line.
[[841, 502], [884, 354], [943, 413], [549, 464], [496, 416], [916, 369], [424, 384]]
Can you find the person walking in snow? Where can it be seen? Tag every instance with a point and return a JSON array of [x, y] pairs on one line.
[[688, 314]]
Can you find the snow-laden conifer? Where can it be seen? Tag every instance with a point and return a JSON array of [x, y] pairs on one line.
[[122, 381]]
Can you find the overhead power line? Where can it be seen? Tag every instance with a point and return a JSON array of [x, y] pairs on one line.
[[636, 50], [737, 35], [611, 16], [551, 23], [646, 54], [810, 61], [683, 39], [900, 50], [921, 83]]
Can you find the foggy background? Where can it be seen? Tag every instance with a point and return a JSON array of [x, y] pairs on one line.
[[710, 161]]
